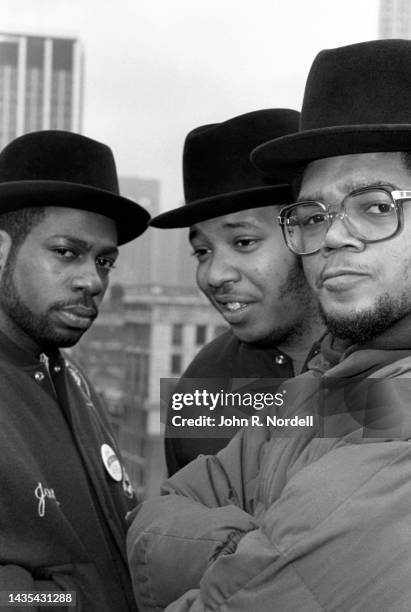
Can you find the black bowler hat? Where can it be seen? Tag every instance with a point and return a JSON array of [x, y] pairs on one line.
[[357, 100], [58, 168], [218, 176]]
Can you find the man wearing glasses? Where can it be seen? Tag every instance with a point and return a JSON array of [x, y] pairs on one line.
[[317, 520], [362, 289]]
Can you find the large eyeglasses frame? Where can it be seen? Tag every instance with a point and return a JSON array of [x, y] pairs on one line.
[[397, 197]]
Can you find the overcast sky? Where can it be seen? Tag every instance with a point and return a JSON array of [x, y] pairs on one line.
[[155, 69]]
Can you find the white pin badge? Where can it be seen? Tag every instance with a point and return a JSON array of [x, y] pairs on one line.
[[111, 462]]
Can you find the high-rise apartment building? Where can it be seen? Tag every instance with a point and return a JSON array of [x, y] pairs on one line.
[[41, 84], [395, 19]]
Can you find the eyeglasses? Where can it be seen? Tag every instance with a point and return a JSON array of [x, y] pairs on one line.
[[371, 214]]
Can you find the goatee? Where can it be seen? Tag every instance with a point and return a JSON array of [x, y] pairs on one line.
[[361, 326]]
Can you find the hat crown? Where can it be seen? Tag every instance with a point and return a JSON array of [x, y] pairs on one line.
[[364, 83], [52, 155], [216, 157], [58, 168], [356, 101]]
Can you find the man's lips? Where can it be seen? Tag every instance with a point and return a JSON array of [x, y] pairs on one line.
[[340, 275], [77, 315], [81, 311], [231, 303], [333, 272]]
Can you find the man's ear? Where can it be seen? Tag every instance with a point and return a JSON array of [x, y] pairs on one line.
[[5, 247]]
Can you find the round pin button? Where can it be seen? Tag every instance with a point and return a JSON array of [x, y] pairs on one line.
[[280, 359], [111, 462]]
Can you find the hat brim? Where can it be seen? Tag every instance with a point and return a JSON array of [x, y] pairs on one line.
[[303, 147], [131, 218], [223, 204]]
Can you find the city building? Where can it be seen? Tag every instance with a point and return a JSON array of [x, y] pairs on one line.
[[142, 335], [158, 257], [135, 264], [41, 84], [395, 19]]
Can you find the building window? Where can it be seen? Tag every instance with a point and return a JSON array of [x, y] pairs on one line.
[[175, 364], [201, 331], [177, 334], [137, 374], [62, 54]]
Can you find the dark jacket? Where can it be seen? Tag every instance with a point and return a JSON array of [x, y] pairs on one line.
[[62, 516], [316, 521], [221, 360]]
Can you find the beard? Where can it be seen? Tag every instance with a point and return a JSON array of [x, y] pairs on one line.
[[38, 327], [296, 287], [362, 326]]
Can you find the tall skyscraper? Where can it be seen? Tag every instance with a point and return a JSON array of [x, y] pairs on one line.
[[41, 84], [395, 19]]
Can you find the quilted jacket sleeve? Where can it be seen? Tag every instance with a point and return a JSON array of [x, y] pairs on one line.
[[204, 511], [335, 540]]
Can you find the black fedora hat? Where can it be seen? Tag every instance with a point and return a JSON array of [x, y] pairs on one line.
[[218, 176], [58, 168], [357, 100]]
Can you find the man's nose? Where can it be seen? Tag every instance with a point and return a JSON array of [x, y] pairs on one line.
[[221, 271], [88, 278], [339, 234]]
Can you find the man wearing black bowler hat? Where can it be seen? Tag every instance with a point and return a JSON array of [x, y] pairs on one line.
[[243, 268], [64, 490], [317, 519]]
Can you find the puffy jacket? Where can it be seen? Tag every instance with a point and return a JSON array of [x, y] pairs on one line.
[[274, 522]]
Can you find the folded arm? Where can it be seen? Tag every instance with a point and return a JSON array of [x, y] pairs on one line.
[[204, 511]]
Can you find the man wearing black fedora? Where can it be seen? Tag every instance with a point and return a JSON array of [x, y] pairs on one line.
[[64, 490], [317, 518], [243, 269]]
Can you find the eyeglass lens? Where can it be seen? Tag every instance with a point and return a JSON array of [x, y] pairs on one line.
[[369, 215]]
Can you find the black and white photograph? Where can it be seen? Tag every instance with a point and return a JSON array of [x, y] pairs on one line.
[[205, 305]]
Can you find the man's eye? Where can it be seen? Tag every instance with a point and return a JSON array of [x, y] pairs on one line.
[[64, 253], [201, 253], [245, 242], [313, 219], [105, 263], [380, 208]]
